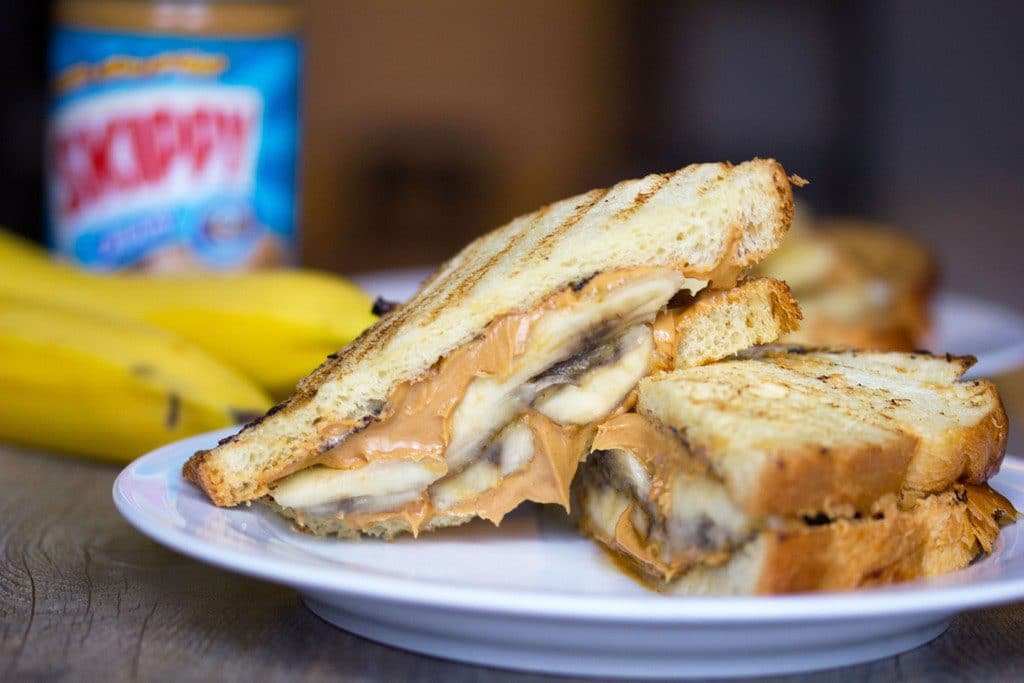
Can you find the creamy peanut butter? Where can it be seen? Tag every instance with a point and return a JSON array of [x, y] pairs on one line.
[[673, 512], [416, 423], [666, 339], [657, 449], [644, 552], [662, 456], [558, 450]]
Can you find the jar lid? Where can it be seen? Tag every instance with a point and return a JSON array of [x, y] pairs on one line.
[[241, 18]]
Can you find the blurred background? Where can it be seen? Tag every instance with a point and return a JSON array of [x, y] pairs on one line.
[[428, 123], [425, 124]]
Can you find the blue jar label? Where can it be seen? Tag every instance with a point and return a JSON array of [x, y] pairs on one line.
[[168, 153]]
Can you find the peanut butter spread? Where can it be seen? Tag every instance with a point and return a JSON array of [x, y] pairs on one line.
[[666, 338], [645, 553], [662, 455], [558, 450], [416, 423]]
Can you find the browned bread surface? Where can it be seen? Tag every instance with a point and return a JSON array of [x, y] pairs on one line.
[[939, 534], [805, 432], [647, 497]]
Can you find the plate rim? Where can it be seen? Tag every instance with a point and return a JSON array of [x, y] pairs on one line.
[[992, 363], [913, 597]]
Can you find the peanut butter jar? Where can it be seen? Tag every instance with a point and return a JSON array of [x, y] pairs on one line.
[[173, 134]]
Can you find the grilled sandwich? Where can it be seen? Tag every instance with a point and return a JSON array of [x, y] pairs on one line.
[[790, 470], [484, 389], [860, 285]]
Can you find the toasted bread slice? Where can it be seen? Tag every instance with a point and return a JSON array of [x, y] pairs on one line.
[[720, 551], [820, 328], [796, 433], [920, 366], [938, 534], [647, 497], [707, 221], [875, 251], [723, 322]]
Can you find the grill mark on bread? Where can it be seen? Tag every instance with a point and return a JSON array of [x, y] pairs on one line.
[[898, 439], [376, 337], [703, 189], [546, 244], [437, 282], [660, 181], [473, 279], [379, 334], [446, 268]]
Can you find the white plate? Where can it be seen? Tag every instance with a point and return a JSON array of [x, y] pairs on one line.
[[535, 596], [963, 324], [989, 331]]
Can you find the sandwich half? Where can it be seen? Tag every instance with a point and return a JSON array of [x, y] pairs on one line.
[[789, 470], [482, 391], [860, 285]]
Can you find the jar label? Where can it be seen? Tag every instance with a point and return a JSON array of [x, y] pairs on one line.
[[168, 153]]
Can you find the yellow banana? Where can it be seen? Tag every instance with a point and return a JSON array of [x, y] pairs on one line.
[[274, 326], [108, 387]]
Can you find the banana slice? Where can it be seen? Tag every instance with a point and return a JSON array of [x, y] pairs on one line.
[[318, 485], [599, 390], [507, 454]]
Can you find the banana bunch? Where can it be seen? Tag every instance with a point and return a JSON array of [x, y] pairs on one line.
[[111, 366], [272, 326], [111, 388]]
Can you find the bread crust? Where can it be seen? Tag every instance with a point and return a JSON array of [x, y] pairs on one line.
[[723, 322], [972, 455], [834, 481], [850, 554], [939, 534]]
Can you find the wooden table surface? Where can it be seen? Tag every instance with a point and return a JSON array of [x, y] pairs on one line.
[[84, 597]]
